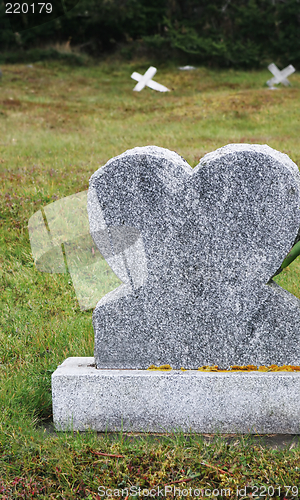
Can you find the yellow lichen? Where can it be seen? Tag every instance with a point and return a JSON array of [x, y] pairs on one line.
[[263, 368], [245, 368], [206, 368], [235, 368], [162, 367]]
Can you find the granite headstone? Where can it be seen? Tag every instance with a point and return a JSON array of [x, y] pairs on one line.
[[196, 250]]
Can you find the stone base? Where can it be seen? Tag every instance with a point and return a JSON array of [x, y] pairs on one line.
[[155, 401]]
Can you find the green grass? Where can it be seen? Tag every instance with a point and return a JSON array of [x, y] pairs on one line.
[[57, 126]]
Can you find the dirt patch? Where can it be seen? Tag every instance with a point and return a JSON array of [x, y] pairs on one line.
[[11, 102]]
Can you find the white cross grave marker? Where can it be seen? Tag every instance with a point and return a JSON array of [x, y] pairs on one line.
[[279, 76], [146, 79]]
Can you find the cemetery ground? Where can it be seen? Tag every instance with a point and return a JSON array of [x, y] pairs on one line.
[[57, 126]]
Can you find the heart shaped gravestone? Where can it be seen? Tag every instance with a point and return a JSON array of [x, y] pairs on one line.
[[196, 250]]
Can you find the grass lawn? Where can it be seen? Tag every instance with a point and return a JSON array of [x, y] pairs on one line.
[[58, 124]]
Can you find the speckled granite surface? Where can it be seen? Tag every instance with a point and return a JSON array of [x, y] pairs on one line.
[[195, 249], [141, 400]]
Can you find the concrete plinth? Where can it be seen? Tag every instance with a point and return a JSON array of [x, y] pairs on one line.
[[156, 401]]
